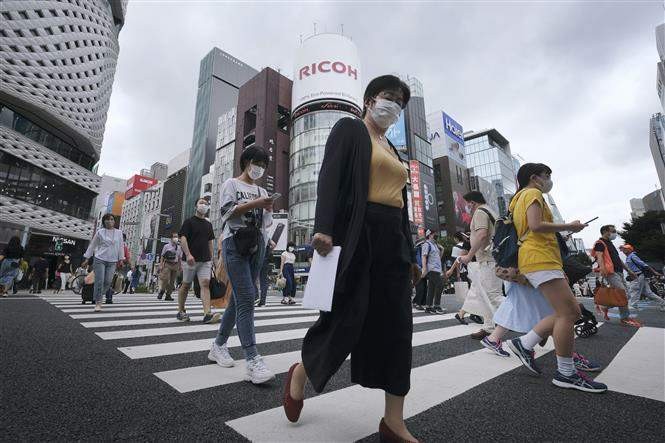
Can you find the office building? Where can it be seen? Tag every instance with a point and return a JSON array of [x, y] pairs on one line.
[[173, 198], [223, 167], [556, 214], [57, 65], [108, 185], [637, 208], [159, 171], [654, 201], [177, 163], [220, 77], [140, 215], [660, 68], [264, 118], [326, 88], [409, 136], [488, 153], [657, 145]]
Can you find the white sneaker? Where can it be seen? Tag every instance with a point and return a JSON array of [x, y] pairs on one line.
[[257, 371], [221, 356], [98, 307]]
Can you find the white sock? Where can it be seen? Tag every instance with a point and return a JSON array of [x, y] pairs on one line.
[[565, 365], [530, 340]]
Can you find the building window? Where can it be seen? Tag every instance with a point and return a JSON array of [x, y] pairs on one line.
[[24, 181], [24, 126], [283, 117]]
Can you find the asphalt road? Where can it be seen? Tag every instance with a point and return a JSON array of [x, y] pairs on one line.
[[62, 381]]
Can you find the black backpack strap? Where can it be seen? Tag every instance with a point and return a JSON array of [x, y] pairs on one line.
[[489, 214]]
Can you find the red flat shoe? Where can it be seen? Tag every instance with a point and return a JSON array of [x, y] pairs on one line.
[[292, 407], [386, 435]]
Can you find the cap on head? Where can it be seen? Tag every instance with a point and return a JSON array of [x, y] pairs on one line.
[[628, 248]]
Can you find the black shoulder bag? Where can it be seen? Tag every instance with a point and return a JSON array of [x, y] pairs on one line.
[[246, 239]]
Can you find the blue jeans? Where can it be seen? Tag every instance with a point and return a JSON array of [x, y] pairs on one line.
[[104, 271], [289, 274], [263, 280], [243, 273]]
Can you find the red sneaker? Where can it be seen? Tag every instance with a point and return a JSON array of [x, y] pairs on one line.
[[631, 322]]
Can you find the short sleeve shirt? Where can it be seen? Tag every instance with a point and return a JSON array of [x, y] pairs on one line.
[[236, 192], [614, 254], [480, 221], [198, 232], [539, 251], [431, 251]]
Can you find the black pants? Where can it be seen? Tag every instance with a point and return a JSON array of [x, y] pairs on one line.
[[126, 285], [434, 288], [372, 318], [421, 292]]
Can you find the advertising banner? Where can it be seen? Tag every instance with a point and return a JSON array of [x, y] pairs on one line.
[[397, 133], [430, 212], [416, 195], [446, 137], [327, 67], [138, 183], [279, 231]]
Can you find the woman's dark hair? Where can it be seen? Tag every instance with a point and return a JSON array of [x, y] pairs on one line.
[[107, 217], [474, 196], [289, 244], [14, 242], [527, 170], [256, 154], [386, 83]]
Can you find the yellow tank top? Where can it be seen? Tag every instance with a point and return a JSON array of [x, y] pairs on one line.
[[387, 177]]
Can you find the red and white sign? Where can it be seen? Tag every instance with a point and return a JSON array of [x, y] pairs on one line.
[[416, 195], [327, 67], [138, 183]]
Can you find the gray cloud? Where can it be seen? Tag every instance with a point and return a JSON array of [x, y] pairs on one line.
[[569, 84]]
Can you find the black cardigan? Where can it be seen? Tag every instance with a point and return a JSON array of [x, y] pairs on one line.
[[343, 188]]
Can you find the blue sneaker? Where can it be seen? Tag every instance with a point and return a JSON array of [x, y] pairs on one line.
[[494, 346], [580, 381], [182, 316], [527, 357], [584, 364]]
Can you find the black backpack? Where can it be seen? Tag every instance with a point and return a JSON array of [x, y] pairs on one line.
[[505, 249]]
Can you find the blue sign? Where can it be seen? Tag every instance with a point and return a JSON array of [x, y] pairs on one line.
[[453, 129], [397, 132]]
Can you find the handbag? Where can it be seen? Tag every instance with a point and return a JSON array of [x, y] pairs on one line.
[[222, 287], [281, 283], [610, 297]]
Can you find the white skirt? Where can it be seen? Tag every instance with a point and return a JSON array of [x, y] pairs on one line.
[[522, 309]]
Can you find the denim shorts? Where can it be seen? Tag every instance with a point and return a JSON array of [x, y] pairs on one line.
[[202, 269]]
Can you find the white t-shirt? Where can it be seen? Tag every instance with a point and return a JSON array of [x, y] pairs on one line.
[[289, 257], [236, 192]]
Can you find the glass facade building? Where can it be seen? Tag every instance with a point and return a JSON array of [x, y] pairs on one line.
[[220, 77], [488, 153], [309, 134]]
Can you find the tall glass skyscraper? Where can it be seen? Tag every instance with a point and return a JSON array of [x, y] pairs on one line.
[[57, 61], [488, 153], [220, 77]]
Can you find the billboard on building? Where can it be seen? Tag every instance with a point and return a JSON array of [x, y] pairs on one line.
[[397, 133], [114, 203], [428, 192], [327, 67], [416, 194], [446, 137], [279, 231], [138, 183]]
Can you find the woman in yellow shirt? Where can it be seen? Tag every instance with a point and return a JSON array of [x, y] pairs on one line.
[[539, 259]]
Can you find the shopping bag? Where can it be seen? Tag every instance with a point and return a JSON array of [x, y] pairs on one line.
[[610, 297], [281, 283], [461, 288], [220, 287]]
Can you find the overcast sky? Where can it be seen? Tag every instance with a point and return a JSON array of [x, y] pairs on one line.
[[569, 84]]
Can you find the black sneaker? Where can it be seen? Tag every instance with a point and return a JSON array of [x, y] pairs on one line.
[[461, 319], [418, 307], [108, 302], [527, 357], [211, 318], [476, 319], [579, 381], [182, 316], [431, 310], [168, 298], [160, 295]]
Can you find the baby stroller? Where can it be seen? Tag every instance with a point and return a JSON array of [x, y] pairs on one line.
[[587, 325]]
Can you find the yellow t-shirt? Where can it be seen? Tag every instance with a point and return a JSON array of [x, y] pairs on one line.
[[539, 251], [387, 177]]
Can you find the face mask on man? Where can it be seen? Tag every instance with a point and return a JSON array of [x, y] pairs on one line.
[[613, 236], [256, 172], [174, 240], [202, 208], [385, 112]]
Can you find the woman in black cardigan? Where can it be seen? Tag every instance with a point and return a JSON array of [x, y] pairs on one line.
[[362, 207]]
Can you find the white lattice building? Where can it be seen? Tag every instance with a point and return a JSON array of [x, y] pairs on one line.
[[57, 62]]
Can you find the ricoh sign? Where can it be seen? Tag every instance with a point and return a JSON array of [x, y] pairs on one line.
[[327, 68]]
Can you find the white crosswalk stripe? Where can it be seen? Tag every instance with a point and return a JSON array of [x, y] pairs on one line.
[[146, 329]]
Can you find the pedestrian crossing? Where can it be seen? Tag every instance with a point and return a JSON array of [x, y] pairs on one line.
[[145, 330]]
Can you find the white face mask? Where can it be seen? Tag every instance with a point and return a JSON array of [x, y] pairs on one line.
[[202, 209], [545, 185], [174, 240], [290, 248], [385, 112], [256, 172], [613, 236]]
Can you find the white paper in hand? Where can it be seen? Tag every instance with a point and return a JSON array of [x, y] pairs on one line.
[[321, 281]]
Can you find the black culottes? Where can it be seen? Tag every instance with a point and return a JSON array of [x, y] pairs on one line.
[[372, 318]]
